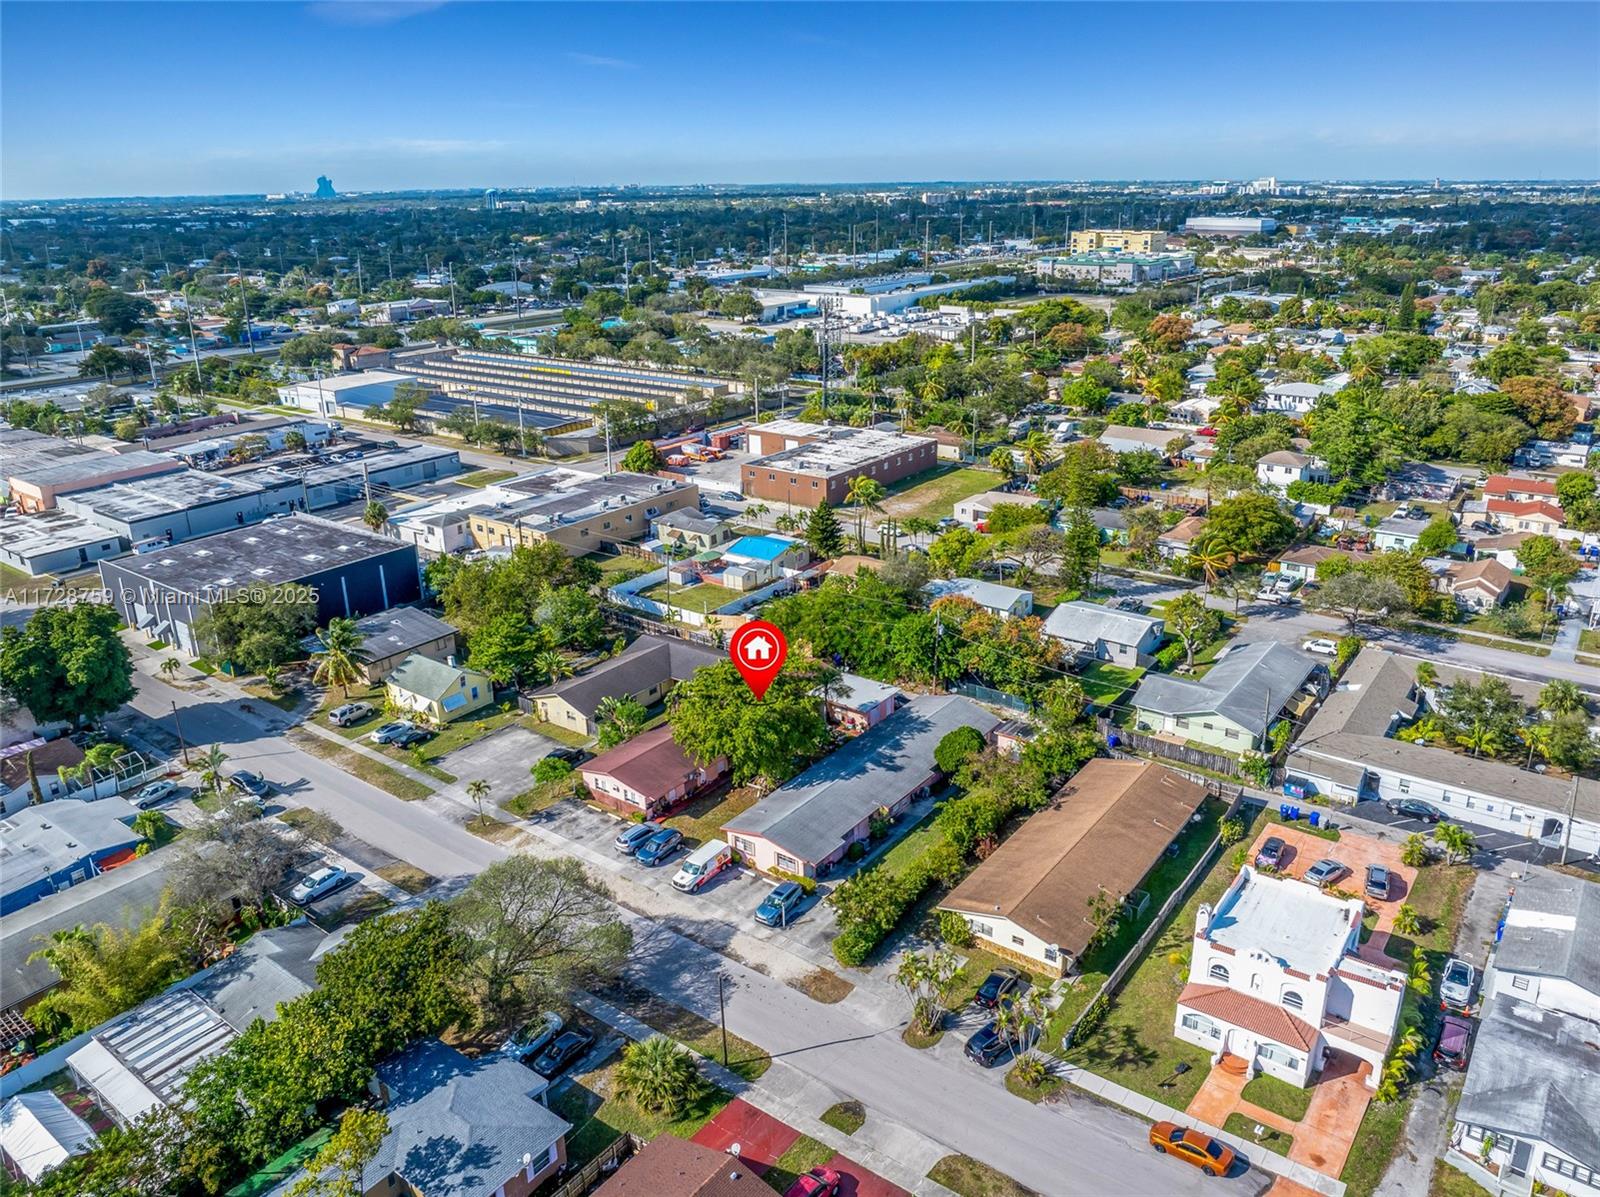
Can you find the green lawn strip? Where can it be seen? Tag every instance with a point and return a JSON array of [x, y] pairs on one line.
[[967, 1177], [846, 1117], [561, 735], [933, 494], [492, 829], [701, 819], [1280, 1097], [912, 845], [1451, 1182], [1159, 883], [618, 567], [804, 1154], [912, 1037], [1104, 683], [1439, 897], [368, 770], [483, 477], [1244, 1126], [540, 796], [1033, 1093], [1589, 641], [406, 876], [368, 904], [1134, 1045], [688, 1028], [1374, 1146], [705, 597], [599, 1119]]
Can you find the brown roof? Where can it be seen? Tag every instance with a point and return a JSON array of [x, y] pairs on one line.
[[1506, 540], [1185, 530], [46, 759], [1485, 573], [651, 763], [1102, 832], [1253, 1014], [1524, 507], [668, 1166], [1316, 554]]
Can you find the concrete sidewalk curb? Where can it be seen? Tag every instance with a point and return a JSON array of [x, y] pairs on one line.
[[790, 1110]]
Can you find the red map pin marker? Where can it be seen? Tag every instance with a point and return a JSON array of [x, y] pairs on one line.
[[758, 650]]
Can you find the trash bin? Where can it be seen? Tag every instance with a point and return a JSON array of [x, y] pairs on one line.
[[1316, 817]]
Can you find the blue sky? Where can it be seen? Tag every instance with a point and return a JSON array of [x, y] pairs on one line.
[[200, 98]]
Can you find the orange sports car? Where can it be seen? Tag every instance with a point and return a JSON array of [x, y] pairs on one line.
[[1204, 1152]]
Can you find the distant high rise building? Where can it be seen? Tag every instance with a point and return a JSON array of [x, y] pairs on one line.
[[325, 188]]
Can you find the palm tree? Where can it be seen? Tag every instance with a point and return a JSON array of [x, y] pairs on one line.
[[375, 515], [919, 526], [149, 823], [211, 775], [552, 664], [658, 1076], [1213, 563], [1457, 841], [170, 667], [1561, 697], [1481, 738], [756, 511], [1000, 459], [1037, 450], [867, 494], [1406, 920], [338, 664], [478, 789], [786, 522]]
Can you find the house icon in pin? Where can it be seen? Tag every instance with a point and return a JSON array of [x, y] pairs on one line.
[[758, 650]]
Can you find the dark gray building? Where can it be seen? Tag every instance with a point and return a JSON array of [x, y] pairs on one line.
[[353, 571], [183, 506]]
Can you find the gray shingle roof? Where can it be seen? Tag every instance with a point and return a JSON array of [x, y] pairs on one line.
[[1089, 623], [271, 967], [1566, 943], [811, 815], [1249, 686], [647, 661], [459, 1126], [1535, 1074]]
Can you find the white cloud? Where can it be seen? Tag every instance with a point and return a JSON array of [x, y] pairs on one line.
[[370, 13], [601, 60]]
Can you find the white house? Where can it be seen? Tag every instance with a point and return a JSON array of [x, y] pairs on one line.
[[1296, 397], [1004, 601], [1275, 981], [978, 508], [1283, 467], [1127, 638], [1548, 953]]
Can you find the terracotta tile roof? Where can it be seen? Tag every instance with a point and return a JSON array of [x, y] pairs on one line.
[[1253, 1014], [1524, 507], [1502, 486], [651, 763]]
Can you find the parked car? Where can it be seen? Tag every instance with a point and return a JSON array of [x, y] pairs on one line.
[[411, 736], [1322, 647], [1189, 1145], [1276, 598], [319, 884], [573, 756], [1454, 1044], [660, 847], [1377, 881], [1459, 985], [1271, 854], [156, 791], [632, 837], [999, 984], [535, 1037], [819, 1182], [704, 863], [780, 904], [389, 731], [1415, 808], [1483, 526], [1326, 871], [350, 712], [250, 783], [562, 1051], [987, 1045], [732, 496]]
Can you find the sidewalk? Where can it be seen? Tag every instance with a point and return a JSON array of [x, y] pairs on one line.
[[895, 1152]]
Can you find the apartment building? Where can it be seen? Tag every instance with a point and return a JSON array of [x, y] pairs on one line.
[[817, 461], [1128, 241]]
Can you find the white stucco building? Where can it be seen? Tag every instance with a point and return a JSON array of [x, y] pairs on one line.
[[1275, 980]]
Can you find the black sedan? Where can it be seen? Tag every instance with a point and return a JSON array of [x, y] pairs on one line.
[[998, 984], [573, 756], [988, 1046], [561, 1052], [410, 737], [249, 783], [1415, 808]]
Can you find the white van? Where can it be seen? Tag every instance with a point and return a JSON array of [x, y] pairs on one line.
[[704, 863]]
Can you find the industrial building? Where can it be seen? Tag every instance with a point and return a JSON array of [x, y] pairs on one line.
[[1129, 241], [1109, 267], [1230, 226], [352, 571], [37, 469], [864, 298], [343, 394], [578, 511], [334, 483], [182, 506], [54, 542], [802, 464]]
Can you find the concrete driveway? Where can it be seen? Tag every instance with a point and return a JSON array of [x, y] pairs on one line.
[[502, 758]]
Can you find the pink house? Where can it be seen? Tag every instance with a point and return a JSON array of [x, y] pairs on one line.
[[648, 774]]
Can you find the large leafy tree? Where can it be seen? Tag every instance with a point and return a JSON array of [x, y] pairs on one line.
[[256, 631], [823, 535], [336, 1167], [535, 930], [508, 648], [713, 715], [1247, 525], [67, 662], [1192, 622], [104, 970], [474, 593]]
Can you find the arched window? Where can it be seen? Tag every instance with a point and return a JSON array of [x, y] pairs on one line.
[[1219, 972], [1293, 1001]]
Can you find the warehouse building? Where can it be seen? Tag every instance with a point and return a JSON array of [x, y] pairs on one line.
[[54, 542], [817, 461], [335, 483], [182, 506], [1116, 268], [1230, 226], [353, 572], [37, 469]]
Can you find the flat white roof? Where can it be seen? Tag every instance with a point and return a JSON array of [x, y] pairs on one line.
[[1291, 921]]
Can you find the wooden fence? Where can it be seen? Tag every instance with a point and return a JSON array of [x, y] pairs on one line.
[[1187, 754], [607, 1162]]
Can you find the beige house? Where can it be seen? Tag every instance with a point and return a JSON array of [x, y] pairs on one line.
[[439, 690], [696, 532], [644, 672], [1477, 585]]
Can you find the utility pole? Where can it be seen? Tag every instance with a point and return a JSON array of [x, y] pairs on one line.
[[244, 302], [1566, 827], [722, 1012], [608, 442], [178, 727]]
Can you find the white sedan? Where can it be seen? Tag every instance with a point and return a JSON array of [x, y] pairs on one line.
[[1323, 648], [156, 791], [318, 885]]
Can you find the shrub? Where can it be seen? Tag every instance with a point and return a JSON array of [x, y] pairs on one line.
[[956, 748], [1255, 768], [855, 851], [1032, 1071], [551, 768], [1414, 852], [852, 946], [1230, 831], [1346, 651], [658, 1075], [954, 929], [1170, 656], [808, 884]]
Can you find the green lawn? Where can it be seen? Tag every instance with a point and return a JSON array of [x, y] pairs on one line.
[[541, 796], [845, 1116], [1134, 1045], [705, 597], [615, 568], [561, 735], [934, 494], [599, 1119], [702, 818], [1280, 1097], [484, 477], [1589, 641], [912, 845], [978, 966], [1452, 1182], [1103, 683], [967, 1177], [1244, 1126], [1439, 898], [1165, 877]]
